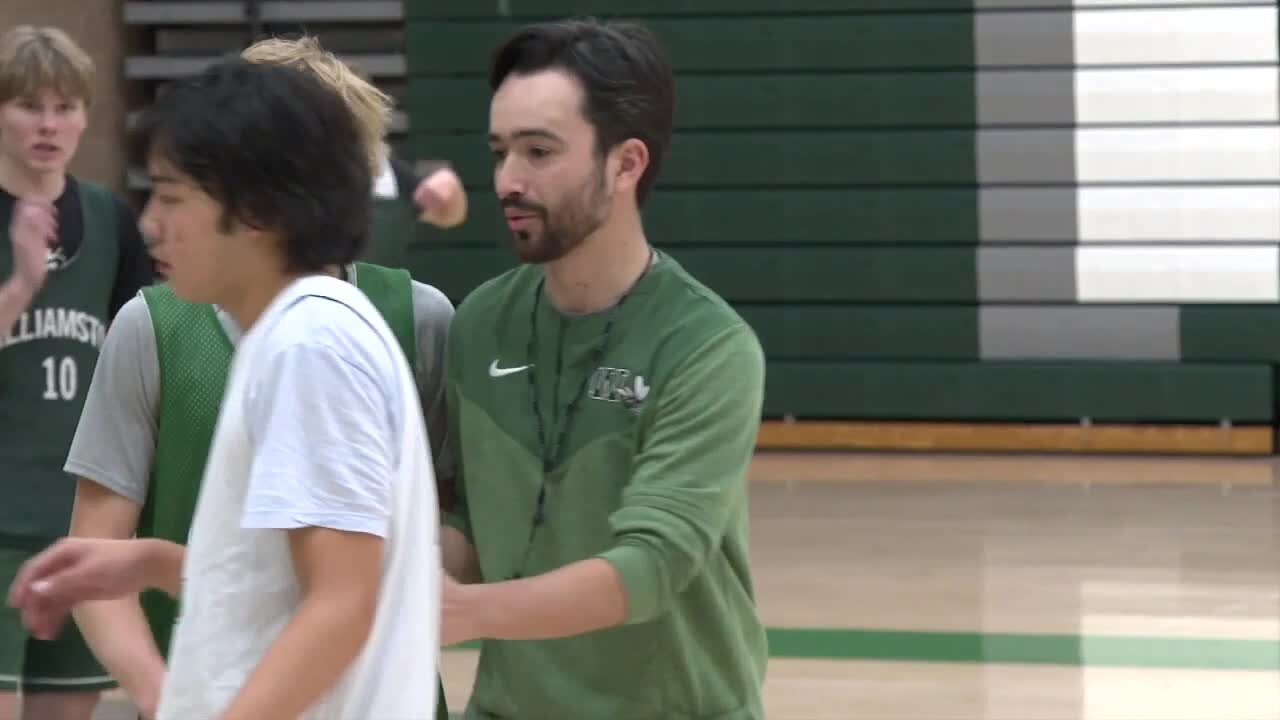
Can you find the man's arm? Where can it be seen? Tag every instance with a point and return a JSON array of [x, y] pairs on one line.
[[577, 598], [689, 478], [323, 470], [111, 453]]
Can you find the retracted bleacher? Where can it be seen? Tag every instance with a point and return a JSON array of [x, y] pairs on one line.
[[174, 38]]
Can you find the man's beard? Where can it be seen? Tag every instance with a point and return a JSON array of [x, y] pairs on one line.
[[573, 222]]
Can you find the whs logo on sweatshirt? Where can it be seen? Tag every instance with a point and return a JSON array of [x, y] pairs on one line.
[[618, 385]]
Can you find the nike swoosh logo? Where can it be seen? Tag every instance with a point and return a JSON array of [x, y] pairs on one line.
[[495, 371]]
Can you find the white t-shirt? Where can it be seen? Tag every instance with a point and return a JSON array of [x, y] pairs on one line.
[[320, 426]]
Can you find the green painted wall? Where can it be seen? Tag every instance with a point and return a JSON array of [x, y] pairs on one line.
[[848, 174]]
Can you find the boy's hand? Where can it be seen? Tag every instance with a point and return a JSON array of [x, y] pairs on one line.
[[73, 571], [34, 231], [440, 197]]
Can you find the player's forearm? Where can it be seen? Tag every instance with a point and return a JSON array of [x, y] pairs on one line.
[[119, 636], [459, 556], [324, 637], [578, 598], [15, 298], [164, 566]]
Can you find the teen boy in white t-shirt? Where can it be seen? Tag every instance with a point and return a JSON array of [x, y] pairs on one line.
[[310, 585]]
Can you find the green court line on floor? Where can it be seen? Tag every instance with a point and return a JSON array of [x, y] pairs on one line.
[[1026, 649], [1021, 649]]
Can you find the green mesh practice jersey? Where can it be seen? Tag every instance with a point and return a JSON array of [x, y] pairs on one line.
[[46, 364], [652, 478]]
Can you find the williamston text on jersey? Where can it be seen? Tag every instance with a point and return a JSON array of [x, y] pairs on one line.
[[56, 324]]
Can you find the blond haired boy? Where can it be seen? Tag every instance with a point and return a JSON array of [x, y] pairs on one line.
[[400, 195], [70, 257], [144, 438]]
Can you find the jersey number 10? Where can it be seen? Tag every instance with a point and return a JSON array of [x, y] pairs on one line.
[[60, 378]]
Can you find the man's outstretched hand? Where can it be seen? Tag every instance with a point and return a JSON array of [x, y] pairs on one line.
[[77, 570]]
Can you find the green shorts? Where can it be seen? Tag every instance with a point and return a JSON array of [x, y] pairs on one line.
[[62, 665]]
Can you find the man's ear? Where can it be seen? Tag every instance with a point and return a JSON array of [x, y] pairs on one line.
[[632, 162]]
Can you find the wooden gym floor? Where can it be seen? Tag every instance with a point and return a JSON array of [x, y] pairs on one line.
[[1018, 587]]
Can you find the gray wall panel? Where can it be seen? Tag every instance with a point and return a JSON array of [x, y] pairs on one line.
[[1026, 274], [1040, 97], [1026, 156], [1078, 333], [1046, 215], [1024, 38]]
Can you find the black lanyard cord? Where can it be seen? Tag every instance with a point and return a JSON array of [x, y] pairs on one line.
[[551, 455]]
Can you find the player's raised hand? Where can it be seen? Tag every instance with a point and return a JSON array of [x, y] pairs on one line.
[[33, 231], [72, 571], [440, 197]]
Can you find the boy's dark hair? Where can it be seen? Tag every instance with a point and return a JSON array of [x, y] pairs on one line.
[[278, 149], [625, 75]]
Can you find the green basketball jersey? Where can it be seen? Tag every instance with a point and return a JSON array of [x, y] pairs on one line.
[[651, 478], [46, 364], [194, 356]]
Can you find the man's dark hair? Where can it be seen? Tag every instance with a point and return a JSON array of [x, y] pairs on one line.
[[625, 76], [277, 148]]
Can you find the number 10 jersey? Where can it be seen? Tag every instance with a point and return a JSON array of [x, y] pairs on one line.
[[47, 360]]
